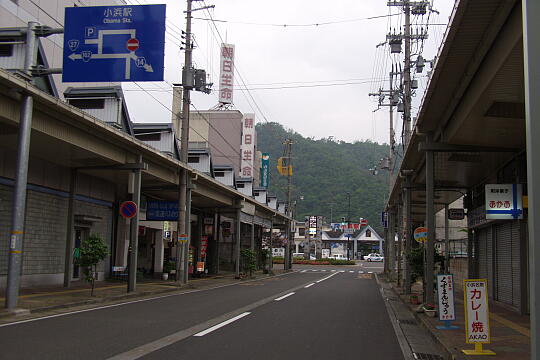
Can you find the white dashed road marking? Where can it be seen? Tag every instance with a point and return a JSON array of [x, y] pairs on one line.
[[284, 296], [215, 327]]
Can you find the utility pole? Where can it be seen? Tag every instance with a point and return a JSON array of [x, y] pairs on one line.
[[290, 237], [348, 225], [188, 83], [407, 74]]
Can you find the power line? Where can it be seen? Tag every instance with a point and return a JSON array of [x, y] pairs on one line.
[[314, 24]]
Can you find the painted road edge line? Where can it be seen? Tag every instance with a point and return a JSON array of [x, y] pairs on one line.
[[220, 325], [284, 296], [309, 285]]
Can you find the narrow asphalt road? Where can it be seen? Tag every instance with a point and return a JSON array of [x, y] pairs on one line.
[[320, 314]]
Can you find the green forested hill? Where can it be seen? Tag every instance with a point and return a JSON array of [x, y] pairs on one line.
[[324, 171]]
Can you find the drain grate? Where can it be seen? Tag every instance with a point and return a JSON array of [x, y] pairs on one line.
[[422, 356], [408, 322]]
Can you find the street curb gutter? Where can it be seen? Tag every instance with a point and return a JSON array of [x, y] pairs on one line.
[[419, 319], [402, 340]]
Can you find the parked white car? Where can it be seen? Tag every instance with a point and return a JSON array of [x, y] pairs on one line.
[[373, 257], [338, 257]]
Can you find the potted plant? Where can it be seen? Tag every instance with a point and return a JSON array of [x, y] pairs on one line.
[[168, 267], [429, 310]]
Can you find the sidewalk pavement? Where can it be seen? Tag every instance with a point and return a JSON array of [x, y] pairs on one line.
[[42, 301], [510, 331]]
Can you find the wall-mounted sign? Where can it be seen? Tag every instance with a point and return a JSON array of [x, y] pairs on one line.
[[312, 225], [504, 201], [226, 76], [247, 148], [265, 170], [162, 210], [456, 214]]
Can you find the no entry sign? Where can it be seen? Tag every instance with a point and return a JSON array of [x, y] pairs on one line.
[[128, 209], [132, 44]]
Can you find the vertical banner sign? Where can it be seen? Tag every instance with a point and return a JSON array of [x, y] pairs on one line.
[[476, 315], [447, 311], [247, 149], [504, 201], [265, 170], [476, 311], [114, 43], [226, 76], [312, 225]]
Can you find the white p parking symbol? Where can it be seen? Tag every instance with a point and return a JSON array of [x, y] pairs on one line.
[[89, 31]]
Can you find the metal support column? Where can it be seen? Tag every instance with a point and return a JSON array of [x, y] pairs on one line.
[[531, 42], [399, 230], [407, 233], [430, 222], [185, 251], [446, 241], [270, 253], [68, 265], [238, 239], [252, 239], [19, 195], [391, 247], [134, 231]]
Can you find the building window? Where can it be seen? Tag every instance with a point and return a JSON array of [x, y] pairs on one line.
[[302, 231], [239, 186], [149, 137], [88, 103], [368, 233], [193, 159], [219, 174], [255, 193], [6, 50]]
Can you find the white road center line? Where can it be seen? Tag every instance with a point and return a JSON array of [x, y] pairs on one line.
[[370, 272], [309, 285], [215, 327], [323, 270], [303, 271], [332, 270], [328, 277], [313, 270], [284, 296], [351, 271]]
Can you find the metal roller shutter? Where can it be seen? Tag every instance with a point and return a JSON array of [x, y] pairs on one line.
[[490, 253], [503, 275], [516, 264], [482, 254]]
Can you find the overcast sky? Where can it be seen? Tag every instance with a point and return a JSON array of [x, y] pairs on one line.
[[312, 79]]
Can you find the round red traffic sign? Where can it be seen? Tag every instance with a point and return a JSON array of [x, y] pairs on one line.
[[128, 209], [132, 44]]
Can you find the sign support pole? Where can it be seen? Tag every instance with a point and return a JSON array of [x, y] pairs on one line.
[[19, 195], [134, 232]]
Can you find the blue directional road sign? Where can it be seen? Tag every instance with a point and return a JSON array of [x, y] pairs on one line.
[[114, 43]]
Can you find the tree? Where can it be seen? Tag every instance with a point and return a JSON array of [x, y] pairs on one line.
[[93, 251]]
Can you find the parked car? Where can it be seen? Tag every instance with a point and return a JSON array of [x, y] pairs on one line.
[[373, 257], [338, 257]]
